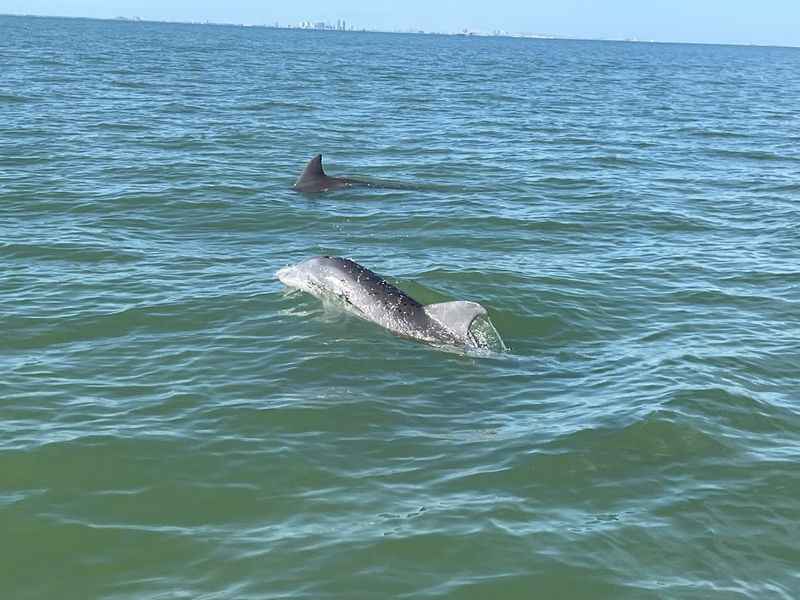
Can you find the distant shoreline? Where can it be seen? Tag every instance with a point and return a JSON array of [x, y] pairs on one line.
[[504, 35]]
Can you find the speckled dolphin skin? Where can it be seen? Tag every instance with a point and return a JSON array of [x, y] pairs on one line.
[[376, 300]]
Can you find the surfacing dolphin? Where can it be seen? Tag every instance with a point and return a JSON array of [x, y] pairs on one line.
[[371, 297], [314, 180]]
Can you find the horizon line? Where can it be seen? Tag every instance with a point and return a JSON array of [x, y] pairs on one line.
[[466, 33]]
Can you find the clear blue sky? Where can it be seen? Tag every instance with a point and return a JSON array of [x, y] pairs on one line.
[[732, 21]]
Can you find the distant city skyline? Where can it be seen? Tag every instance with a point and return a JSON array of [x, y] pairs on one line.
[[771, 22]]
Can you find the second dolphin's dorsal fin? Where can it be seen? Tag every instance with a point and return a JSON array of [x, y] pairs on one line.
[[314, 167], [312, 172], [456, 317]]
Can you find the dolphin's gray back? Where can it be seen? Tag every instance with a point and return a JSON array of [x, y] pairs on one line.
[[375, 288], [380, 301]]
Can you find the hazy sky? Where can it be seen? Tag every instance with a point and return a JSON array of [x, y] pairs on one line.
[[733, 21]]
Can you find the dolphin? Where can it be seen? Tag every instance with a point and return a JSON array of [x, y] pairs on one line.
[[313, 179], [371, 297]]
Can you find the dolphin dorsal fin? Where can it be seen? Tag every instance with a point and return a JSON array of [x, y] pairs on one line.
[[314, 168], [455, 316], [312, 171]]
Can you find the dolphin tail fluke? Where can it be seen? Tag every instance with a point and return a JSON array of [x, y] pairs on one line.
[[312, 172], [457, 317]]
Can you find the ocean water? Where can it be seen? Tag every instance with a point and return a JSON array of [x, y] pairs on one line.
[[175, 424]]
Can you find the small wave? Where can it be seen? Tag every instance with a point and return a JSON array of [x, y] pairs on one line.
[[179, 143], [717, 297], [67, 253], [618, 160], [601, 454], [157, 318], [15, 99], [759, 278], [135, 85], [14, 161], [742, 411], [180, 108], [715, 134], [270, 105], [757, 155], [663, 438], [781, 188], [120, 126], [569, 183], [667, 221]]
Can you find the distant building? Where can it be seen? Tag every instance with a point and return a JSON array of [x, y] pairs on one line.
[[341, 25]]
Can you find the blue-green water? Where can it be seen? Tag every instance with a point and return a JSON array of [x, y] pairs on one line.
[[173, 424]]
